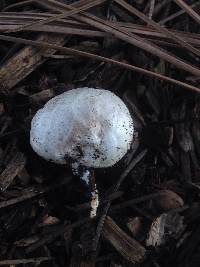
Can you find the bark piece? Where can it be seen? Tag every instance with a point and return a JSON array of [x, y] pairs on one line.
[[26, 60], [11, 171], [135, 225], [169, 200], [42, 96], [128, 247], [163, 227]]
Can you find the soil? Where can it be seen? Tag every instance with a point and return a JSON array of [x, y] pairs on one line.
[[150, 200]]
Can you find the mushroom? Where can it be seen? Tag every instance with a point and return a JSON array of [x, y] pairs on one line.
[[90, 127]]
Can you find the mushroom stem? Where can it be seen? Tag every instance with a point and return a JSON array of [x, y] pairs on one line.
[[95, 196], [89, 178]]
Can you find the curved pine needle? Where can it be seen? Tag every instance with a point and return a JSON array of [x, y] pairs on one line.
[[58, 16], [155, 25], [130, 38], [67, 50], [20, 4]]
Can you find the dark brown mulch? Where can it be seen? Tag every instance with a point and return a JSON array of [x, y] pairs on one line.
[[150, 201]]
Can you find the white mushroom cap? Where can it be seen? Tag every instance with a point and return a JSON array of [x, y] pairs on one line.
[[90, 126]]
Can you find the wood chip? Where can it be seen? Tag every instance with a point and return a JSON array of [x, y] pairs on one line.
[[169, 200], [163, 227], [42, 96], [128, 247], [49, 220], [11, 171], [26, 60], [35, 261], [135, 225]]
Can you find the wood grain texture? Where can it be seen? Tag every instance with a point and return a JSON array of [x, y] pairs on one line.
[[127, 246], [25, 61], [11, 171]]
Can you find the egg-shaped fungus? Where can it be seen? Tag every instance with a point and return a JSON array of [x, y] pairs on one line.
[[92, 127]]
